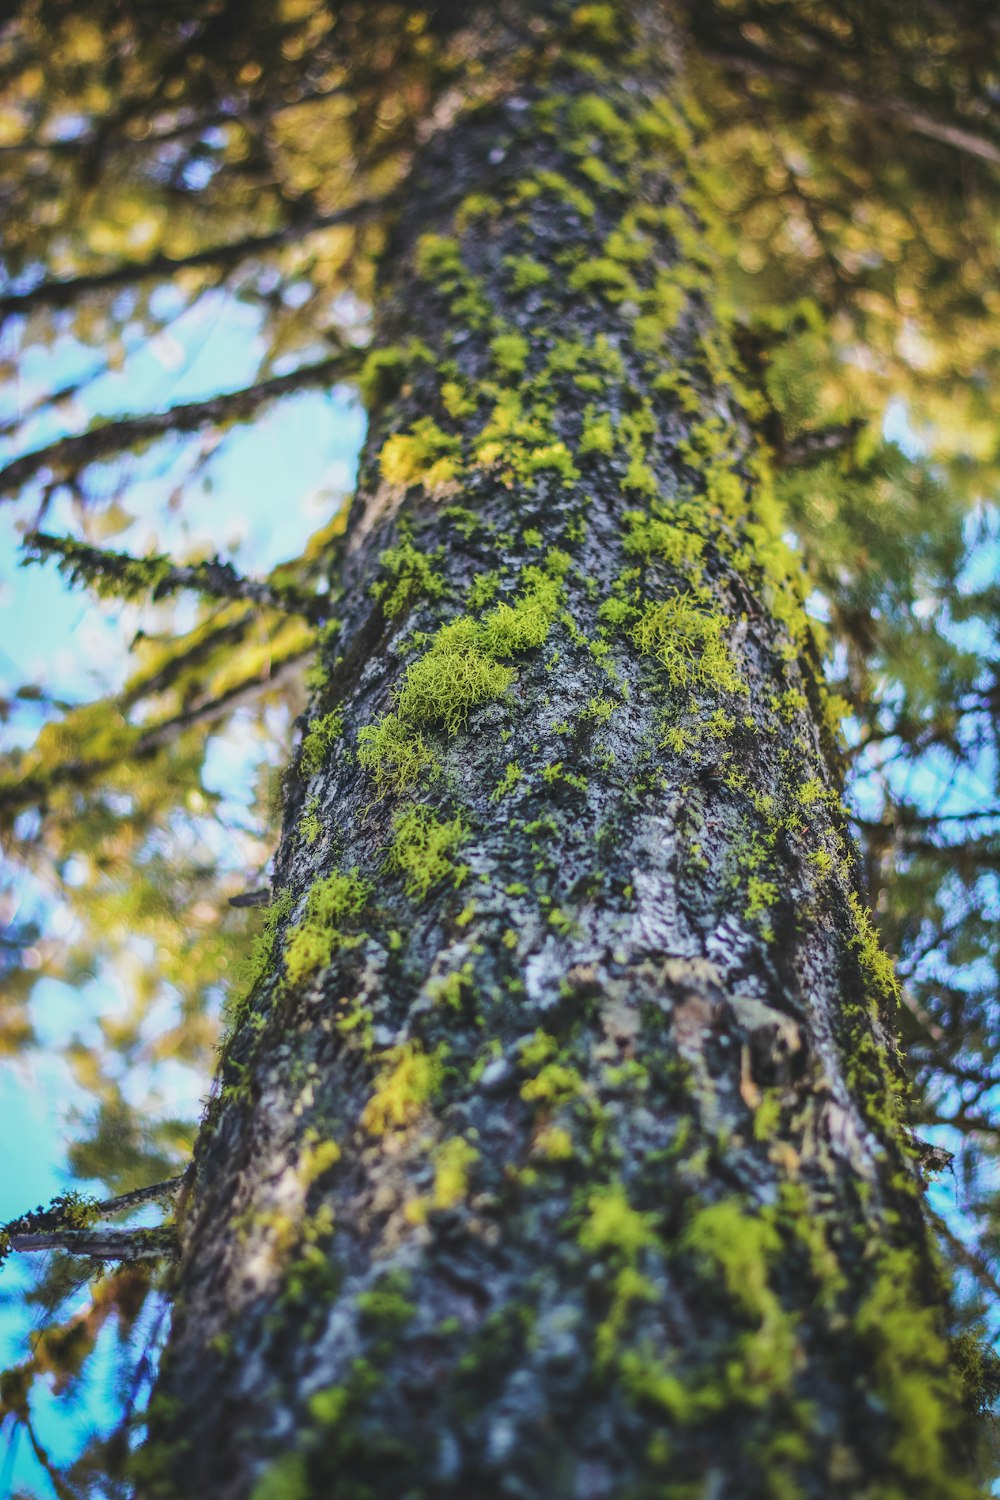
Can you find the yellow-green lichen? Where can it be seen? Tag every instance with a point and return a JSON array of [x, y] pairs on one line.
[[412, 576], [393, 753], [422, 849], [407, 1080], [331, 903], [687, 639], [423, 455], [321, 734]]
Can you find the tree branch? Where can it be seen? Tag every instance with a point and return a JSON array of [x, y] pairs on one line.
[[69, 1223], [122, 575], [898, 111], [81, 449], [810, 446], [99, 1244], [63, 293]]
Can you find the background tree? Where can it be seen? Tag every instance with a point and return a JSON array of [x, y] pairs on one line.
[[847, 164]]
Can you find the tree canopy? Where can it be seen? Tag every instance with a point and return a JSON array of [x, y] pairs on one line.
[[156, 157]]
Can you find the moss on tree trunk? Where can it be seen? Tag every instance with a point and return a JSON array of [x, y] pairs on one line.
[[557, 1148]]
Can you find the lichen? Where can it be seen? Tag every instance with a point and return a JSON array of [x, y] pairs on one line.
[[331, 903], [393, 753], [413, 576], [408, 1079], [422, 849], [321, 735], [425, 455]]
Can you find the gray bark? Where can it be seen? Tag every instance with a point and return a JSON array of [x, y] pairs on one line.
[[678, 1248]]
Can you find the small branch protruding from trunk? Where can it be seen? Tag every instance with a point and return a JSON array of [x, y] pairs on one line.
[[100, 1244], [251, 898], [70, 1223], [122, 575]]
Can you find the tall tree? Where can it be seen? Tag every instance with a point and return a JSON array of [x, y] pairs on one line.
[[558, 1140]]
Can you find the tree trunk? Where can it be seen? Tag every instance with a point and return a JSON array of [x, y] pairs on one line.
[[557, 1146]]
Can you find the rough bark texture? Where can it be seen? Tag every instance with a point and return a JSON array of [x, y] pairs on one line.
[[557, 1148]]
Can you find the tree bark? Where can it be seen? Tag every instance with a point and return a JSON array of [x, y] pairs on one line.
[[557, 1147]]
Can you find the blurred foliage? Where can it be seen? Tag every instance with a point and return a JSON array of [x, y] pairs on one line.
[[152, 156]]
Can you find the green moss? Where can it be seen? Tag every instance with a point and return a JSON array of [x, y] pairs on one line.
[[525, 624], [394, 753], [262, 949], [511, 776], [424, 455], [598, 433], [761, 894], [598, 708], [913, 1377], [687, 640], [510, 353], [561, 187], [444, 686], [331, 903], [322, 733], [452, 1160], [613, 1227], [386, 1304], [413, 576], [741, 1247], [408, 1078], [552, 458], [598, 25], [616, 611], [437, 258], [556, 1083], [613, 280], [593, 113], [457, 402], [286, 1479], [476, 206], [650, 537], [310, 824], [381, 376], [876, 965], [525, 272], [483, 590], [422, 849]]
